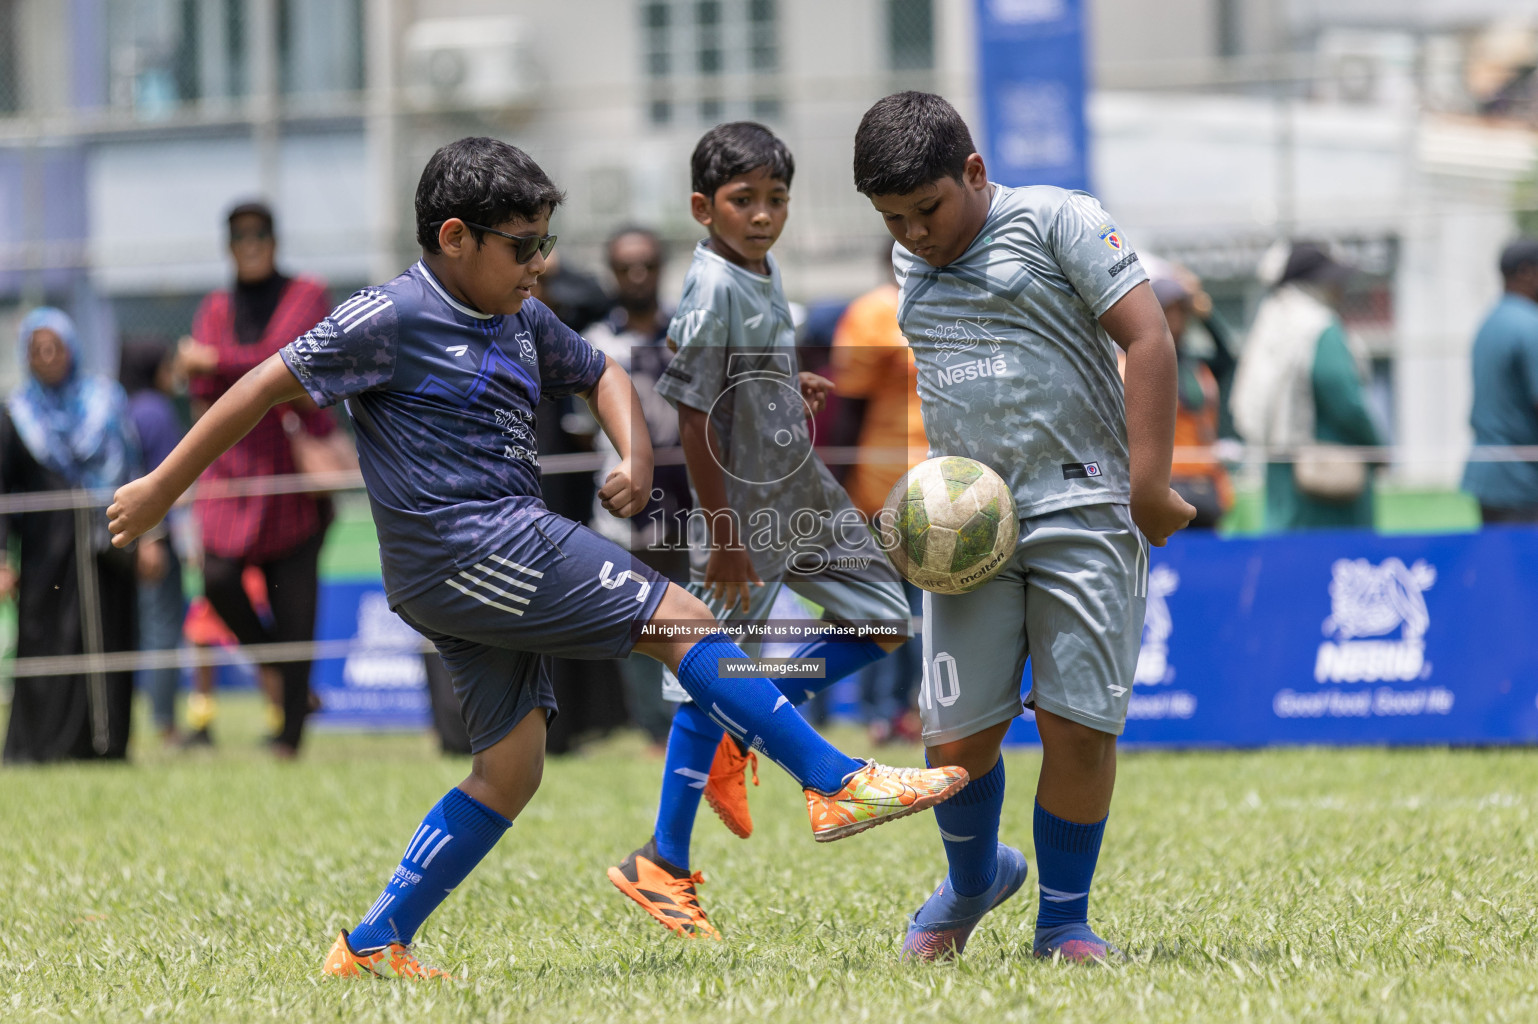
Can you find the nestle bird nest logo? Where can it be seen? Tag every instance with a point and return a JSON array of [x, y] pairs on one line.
[[1368, 604], [1153, 664]]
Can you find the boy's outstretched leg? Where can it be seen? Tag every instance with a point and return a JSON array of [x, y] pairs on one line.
[[844, 796], [983, 872], [704, 760], [1073, 799], [726, 788], [454, 837]]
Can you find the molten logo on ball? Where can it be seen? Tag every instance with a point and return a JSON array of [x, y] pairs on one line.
[[949, 525]]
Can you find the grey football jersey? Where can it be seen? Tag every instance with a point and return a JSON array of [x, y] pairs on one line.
[[737, 361], [1015, 370]]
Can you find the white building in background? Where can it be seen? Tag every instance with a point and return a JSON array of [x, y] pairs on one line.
[[128, 127]]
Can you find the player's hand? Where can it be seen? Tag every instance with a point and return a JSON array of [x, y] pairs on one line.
[[624, 491], [136, 508], [814, 390], [1161, 514], [193, 356], [729, 577], [7, 581]]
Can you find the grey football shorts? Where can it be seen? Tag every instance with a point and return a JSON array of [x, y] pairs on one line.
[[1072, 599]]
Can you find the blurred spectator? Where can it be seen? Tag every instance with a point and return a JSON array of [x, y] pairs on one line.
[[591, 693], [876, 382], [203, 628], [234, 331], [146, 370], [1197, 474], [1298, 393], [63, 429], [1505, 408], [634, 335]]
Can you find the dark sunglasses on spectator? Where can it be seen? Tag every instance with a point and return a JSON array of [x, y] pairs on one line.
[[259, 235], [527, 245]]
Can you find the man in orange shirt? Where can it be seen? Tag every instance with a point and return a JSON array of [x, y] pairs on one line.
[[877, 383], [877, 394]]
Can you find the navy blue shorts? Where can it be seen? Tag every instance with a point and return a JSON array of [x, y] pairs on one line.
[[555, 588]]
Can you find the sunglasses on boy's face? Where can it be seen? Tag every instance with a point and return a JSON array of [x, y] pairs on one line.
[[527, 245]]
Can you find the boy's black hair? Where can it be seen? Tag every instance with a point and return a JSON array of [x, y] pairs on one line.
[[483, 181], [908, 140], [738, 147]]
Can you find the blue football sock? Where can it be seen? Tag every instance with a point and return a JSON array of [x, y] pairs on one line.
[[1066, 854], [969, 827], [843, 658], [694, 736], [754, 711], [692, 746], [452, 839]]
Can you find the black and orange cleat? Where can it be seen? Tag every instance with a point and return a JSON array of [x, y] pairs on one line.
[[665, 892]]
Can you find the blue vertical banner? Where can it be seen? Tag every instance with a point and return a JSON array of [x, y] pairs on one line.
[[1031, 82]]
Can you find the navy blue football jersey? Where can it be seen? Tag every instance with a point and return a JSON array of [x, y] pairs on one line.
[[443, 399]]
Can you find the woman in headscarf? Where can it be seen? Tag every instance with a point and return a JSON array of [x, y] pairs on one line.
[[66, 430]]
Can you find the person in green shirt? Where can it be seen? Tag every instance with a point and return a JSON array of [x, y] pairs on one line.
[[1299, 386]]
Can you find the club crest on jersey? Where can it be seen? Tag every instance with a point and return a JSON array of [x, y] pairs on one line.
[[1111, 237], [525, 346]]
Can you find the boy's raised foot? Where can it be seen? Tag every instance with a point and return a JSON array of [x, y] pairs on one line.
[[1074, 942], [664, 891], [877, 794], [943, 924], [394, 961], [726, 789]]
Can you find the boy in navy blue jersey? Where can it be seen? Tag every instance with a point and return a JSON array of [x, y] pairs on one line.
[[440, 370], [1039, 284]]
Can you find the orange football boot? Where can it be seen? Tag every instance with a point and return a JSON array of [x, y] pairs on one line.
[[726, 789], [394, 961], [877, 794], [664, 891]]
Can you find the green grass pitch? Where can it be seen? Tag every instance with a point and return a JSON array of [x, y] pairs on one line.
[[1281, 885]]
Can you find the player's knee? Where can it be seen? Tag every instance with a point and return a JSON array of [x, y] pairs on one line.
[[1088, 750]]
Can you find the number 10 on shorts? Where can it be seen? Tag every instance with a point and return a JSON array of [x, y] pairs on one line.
[[942, 683]]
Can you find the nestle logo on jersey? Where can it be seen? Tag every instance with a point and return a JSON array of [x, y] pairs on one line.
[[989, 366]]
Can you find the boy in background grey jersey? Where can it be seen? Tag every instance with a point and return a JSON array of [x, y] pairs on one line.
[[769, 512], [1011, 300]]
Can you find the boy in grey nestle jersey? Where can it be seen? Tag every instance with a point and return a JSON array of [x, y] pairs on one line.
[[1011, 300], [768, 512]]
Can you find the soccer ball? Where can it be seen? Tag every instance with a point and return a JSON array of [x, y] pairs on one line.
[[949, 525]]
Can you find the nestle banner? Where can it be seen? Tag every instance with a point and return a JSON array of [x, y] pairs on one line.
[[383, 684], [1338, 638], [1031, 81]]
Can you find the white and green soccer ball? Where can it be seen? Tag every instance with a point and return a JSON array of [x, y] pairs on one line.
[[949, 524]]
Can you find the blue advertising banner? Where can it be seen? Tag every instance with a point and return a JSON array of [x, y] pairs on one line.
[[1338, 638], [1031, 82], [382, 687]]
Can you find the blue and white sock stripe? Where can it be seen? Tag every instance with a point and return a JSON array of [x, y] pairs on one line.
[[1058, 896], [379, 907], [428, 860], [698, 778]]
